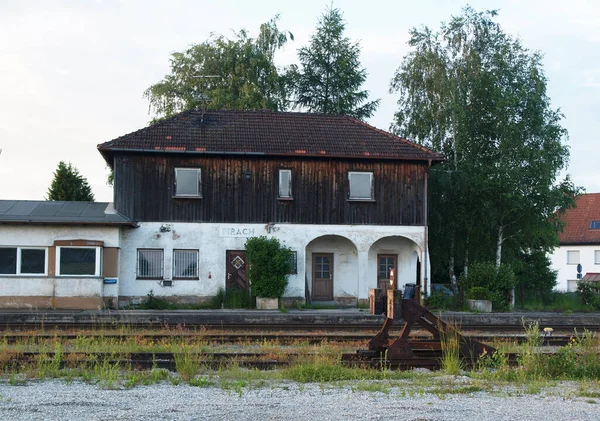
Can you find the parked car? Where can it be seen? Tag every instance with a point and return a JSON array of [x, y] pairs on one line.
[[442, 289]]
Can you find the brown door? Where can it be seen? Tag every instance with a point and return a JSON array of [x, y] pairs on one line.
[[236, 270], [322, 277], [385, 262]]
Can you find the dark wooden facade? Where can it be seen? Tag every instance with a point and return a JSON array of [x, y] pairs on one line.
[[144, 190]]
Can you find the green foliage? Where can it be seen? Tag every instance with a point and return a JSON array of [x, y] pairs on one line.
[[69, 185], [152, 302], [590, 294], [475, 94], [238, 73], [554, 301], [498, 281], [232, 298], [478, 293], [329, 78], [269, 266], [534, 275]]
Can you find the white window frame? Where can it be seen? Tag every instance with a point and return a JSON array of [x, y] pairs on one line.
[[597, 257], [570, 259], [98, 268], [137, 265], [19, 261], [372, 193], [290, 195], [199, 187], [190, 278]]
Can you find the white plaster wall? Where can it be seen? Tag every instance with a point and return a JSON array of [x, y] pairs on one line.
[[36, 235], [212, 241], [567, 272], [44, 236]]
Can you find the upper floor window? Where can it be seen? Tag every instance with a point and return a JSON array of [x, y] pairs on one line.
[[78, 261], [185, 264], [595, 225], [573, 257], [22, 261], [597, 257], [285, 184], [188, 182], [150, 263], [361, 185]]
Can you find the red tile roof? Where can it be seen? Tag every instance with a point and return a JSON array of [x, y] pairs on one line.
[[268, 133], [578, 220]]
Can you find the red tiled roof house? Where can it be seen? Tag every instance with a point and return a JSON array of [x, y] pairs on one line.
[[579, 243]]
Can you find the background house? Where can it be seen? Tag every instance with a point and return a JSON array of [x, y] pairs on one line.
[[59, 254], [579, 243], [349, 200]]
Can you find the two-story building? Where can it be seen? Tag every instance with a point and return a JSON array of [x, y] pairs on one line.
[[350, 200], [579, 243]]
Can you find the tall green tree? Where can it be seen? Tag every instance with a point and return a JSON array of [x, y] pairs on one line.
[[330, 76], [68, 184], [223, 73], [475, 94]]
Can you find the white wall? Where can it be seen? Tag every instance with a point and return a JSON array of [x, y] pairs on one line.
[[567, 272], [46, 286], [212, 241]]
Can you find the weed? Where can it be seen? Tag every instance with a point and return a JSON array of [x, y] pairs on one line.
[[450, 361]]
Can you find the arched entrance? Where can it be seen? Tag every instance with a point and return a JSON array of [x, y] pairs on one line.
[[397, 252], [332, 269]]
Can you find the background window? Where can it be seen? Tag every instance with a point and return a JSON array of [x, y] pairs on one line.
[[33, 261], [594, 225], [150, 264], [293, 263], [597, 257], [8, 261], [187, 182], [185, 264], [361, 185], [78, 261], [285, 183], [573, 257], [22, 261]]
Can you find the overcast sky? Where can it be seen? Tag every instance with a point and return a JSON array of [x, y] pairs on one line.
[[72, 73]]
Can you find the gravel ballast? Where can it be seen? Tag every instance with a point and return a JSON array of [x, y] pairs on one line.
[[57, 400]]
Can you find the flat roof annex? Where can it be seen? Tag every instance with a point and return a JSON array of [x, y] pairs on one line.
[[267, 133], [60, 213]]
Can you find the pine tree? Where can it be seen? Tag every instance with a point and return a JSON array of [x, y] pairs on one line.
[[68, 184], [330, 76]]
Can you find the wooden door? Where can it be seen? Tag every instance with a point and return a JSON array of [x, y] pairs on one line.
[[386, 262], [322, 277], [236, 268]]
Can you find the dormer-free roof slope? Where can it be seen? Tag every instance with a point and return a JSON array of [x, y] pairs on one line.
[[267, 133], [579, 227]]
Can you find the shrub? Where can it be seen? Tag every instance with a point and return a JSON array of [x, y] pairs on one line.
[[153, 302], [498, 281], [478, 293], [232, 298], [590, 294], [269, 266]]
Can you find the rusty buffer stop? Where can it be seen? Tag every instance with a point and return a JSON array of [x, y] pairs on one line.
[[404, 352]]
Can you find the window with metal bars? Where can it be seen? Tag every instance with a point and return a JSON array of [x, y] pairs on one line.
[[150, 264], [185, 264]]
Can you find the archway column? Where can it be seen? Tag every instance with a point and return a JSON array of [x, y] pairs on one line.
[[364, 283]]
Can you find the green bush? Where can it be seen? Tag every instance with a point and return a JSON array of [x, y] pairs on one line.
[[232, 298], [478, 293], [153, 302], [590, 294], [498, 281], [269, 266]]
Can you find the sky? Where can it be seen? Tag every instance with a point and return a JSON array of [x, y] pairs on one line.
[[72, 73]]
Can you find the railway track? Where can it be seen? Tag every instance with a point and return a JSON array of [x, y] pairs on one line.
[[283, 338]]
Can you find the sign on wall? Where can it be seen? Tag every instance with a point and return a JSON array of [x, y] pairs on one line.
[[237, 231]]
